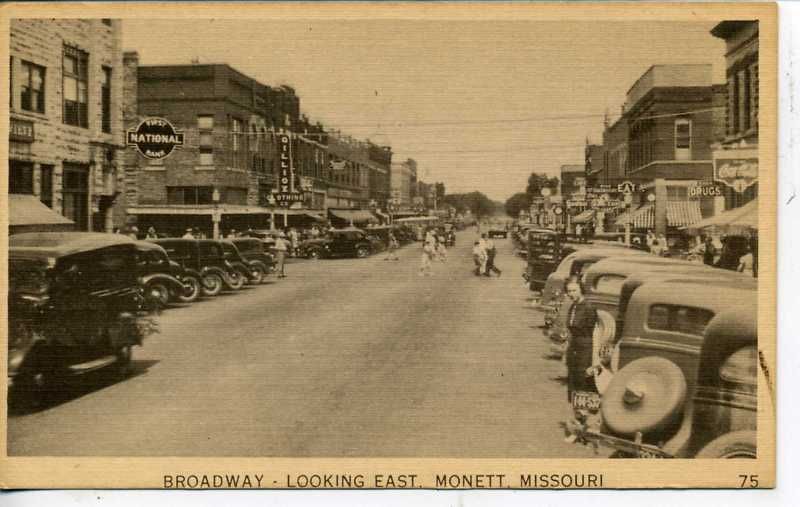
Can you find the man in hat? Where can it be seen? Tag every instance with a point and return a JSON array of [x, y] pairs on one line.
[[188, 234], [581, 320]]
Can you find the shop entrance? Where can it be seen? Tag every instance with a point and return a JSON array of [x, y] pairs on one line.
[[76, 195]]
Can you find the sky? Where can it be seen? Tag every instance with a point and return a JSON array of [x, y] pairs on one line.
[[478, 104]]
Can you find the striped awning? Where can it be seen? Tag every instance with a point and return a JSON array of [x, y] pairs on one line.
[[683, 213], [641, 218], [644, 217], [584, 217]]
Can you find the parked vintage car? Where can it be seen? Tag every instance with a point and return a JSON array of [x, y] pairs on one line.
[[267, 237], [163, 279], [573, 265], [74, 307], [204, 257], [251, 271], [349, 242], [255, 251], [646, 407]]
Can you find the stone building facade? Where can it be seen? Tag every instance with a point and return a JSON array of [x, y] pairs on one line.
[[66, 128]]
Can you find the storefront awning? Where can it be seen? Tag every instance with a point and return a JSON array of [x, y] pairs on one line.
[[355, 215], [683, 213], [224, 209], [28, 214], [583, 217], [641, 218], [745, 217]]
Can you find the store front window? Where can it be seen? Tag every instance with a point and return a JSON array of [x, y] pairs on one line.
[[20, 178], [76, 195]]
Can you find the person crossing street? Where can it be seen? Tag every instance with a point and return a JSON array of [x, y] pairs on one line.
[[491, 254]]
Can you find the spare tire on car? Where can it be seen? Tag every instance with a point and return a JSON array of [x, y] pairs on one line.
[[646, 396], [736, 444]]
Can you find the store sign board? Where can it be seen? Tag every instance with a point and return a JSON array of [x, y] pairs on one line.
[[286, 194], [155, 138], [21, 130], [705, 189], [738, 173]]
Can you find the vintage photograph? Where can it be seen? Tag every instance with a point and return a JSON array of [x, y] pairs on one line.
[[389, 237]]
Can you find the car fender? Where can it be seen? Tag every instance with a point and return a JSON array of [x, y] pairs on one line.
[[191, 272], [215, 270], [170, 281]]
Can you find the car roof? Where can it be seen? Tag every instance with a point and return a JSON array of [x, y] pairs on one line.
[[60, 244], [148, 245], [604, 252], [696, 294], [631, 264]]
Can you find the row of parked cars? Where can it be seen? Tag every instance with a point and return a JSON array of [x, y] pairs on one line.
[[79, 302], [678, 345]]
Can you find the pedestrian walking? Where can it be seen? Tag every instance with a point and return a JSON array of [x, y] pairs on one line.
[[480, 257], [391, 252], [188, 234], [231, 234], [441, 249], [491, 254], [428, 251], [281, 246], [294, 241], [151, 233], [581, 320]]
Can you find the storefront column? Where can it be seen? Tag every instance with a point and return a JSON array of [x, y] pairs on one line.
[[661, 206]]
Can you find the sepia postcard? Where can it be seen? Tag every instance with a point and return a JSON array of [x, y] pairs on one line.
[[402, 246]]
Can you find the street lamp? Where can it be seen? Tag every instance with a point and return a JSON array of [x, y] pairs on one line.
[[215, 217]]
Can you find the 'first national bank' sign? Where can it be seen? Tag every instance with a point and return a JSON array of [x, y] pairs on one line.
[[155, 138]]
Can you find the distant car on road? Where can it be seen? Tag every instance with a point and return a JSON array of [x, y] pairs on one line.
[[497, 232], [350, 242]]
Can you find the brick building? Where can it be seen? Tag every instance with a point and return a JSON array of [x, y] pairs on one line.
[[670, 129], [226, 171], [736, 156], [594, 163], [403, 180], [66, 131]]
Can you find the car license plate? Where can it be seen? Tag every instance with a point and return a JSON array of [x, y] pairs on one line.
[[582, 400]]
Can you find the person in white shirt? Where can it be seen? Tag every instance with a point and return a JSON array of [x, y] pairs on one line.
[[281, 246], [746, 263], [479, 256], [188, 234]]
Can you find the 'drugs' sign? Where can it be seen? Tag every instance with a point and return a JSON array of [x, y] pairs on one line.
[[155, 138]]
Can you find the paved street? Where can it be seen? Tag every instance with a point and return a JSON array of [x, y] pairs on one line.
[[352, 357]]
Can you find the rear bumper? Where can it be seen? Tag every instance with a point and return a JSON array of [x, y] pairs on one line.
[[630, 448]]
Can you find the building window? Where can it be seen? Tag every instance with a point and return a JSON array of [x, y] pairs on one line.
[[76, 88], [205, 128], [683, 139], [753, 74], [235, 195], [20, 177], [32, 87], [742, 111], [106, 21], [238, 158], [189, 195], [106, 98], [742, 117], [46, 194]]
